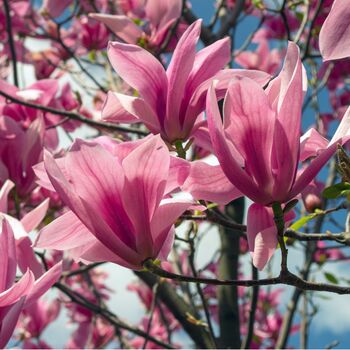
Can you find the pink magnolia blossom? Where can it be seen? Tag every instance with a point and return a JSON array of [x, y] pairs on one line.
[[335, 33], [258, 146], [261, 59], [55, 8], [159, 16], [170, 101], [19, 151], [118, 206], [16, 296]]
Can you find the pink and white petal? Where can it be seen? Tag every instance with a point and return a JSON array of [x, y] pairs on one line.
[[65, 232], [178, 171], [26, 257], [249, 123], [32, 219], [167, 213], [334, 37], [98, 252], [167, 240], [210, 183], [122, 26], [223, 151], [343, 130], [9, 322], [4, 192], [261, 234], [161, 12], [310, 143], [8, 257], [44, 283], [287, 130], [129, 109], [146, 171], [141, 70], [18, 290], [178, 74]]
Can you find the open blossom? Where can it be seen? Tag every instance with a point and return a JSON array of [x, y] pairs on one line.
[[170, 101], [16, 296], [335, 32], [156, 18], [259, 148], [118, 210]]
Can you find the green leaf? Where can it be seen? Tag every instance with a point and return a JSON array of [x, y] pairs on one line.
[[303, 221], [337, 190], [331, 278]]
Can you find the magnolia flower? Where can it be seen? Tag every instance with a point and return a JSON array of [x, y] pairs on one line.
[[159, 16], [170, 101], [16, 296], [118, 210], [259, 147], [335, 32]]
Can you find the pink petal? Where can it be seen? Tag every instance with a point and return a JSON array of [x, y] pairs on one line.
[[9, 322], [4, 192], [210, 183], [128, 109], [310, 143], [335, 32], [250, 123], [223, 151], [18, 290], [32, 219], [64, 233], [122, 26], [287, 129], [44, 283], [8, 257], [146, 171], [177, 74], [142, 71]]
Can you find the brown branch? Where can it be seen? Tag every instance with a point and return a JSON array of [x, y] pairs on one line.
[[108, 315], [73, 116], [285, 277], [11, 42]]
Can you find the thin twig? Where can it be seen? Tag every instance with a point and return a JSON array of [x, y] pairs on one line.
[[73, 116], [11, 42]]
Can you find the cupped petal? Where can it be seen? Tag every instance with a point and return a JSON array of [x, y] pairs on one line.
[[262, 233], [334, 39], [26, 257], [122, 26], [18, 290], [210, 183], [100, 192], [287, 130], [64, 233], [9, 322], [310, 143], [32, 219], [177, 73], [146, 171], [129, 109], [4, 192], [8, 257], [161, 12], [142, 71], [249, 123], [44, 283], [223, 151]]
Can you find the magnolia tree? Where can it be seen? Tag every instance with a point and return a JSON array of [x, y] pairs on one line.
[[196, 154]]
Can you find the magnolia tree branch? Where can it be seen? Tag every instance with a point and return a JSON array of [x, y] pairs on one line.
[[108, 315], [74, 116], [11, 42], [180, 309]]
